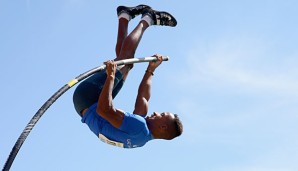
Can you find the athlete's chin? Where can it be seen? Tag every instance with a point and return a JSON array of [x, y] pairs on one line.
[[149, 118]]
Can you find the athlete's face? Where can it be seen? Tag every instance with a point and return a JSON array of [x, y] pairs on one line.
[[164, 117]]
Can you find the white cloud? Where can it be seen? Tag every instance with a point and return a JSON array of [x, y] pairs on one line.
[[249, 63]]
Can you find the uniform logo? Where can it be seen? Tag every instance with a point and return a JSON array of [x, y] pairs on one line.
[[128, 143]]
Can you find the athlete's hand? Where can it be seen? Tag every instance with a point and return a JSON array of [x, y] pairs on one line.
[[111, 68], [154, 64]]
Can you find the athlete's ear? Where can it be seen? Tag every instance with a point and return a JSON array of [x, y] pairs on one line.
[[163, 127]]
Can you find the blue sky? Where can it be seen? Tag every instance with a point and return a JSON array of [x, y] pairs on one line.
[[232, 78]]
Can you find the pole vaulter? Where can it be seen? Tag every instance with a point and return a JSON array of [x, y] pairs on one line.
[[56, 95]]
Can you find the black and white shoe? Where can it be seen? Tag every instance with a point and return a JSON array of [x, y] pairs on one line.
[[160, 17], [132, 11]]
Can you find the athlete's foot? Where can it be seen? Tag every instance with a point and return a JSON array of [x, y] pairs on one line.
[[160, 17], [132, 11]]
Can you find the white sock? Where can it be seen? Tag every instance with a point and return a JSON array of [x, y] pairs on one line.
[[125, 15], [148, 20]]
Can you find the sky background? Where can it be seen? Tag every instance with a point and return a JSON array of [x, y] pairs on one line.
[[232, 78]]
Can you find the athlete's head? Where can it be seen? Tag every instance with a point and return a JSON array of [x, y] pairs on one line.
[[164, 125]]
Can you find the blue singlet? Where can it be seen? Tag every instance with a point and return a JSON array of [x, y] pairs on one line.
[[132, 133]]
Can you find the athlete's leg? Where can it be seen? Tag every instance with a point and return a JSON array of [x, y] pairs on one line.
[[126, 45], [122, 34], [128, 49], [130, 45], [125, 14], [131, 42]]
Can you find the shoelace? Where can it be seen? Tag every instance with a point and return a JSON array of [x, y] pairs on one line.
[[164, 19], [137, 10]]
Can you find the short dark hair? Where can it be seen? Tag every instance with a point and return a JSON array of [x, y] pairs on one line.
[[178, 125], [178, 128]]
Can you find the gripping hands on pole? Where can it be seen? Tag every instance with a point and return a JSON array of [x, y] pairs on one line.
[[121, 62]]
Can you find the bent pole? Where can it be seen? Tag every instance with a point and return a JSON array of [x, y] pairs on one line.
[[55, 96]]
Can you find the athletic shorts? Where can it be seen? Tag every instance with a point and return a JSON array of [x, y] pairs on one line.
[[87, 92]]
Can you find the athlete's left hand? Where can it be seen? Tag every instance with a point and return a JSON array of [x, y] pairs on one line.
[[111, 68]]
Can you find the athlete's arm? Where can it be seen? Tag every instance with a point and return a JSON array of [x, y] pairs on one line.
[[144, 91], [105, 106]]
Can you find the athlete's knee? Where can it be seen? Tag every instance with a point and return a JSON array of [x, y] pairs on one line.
[[126, 54]]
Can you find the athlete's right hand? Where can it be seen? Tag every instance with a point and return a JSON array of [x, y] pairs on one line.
[[111, 68], [154, 64]]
